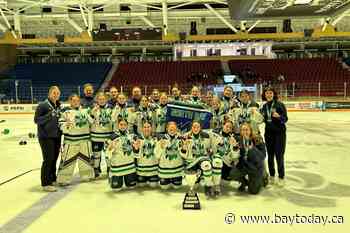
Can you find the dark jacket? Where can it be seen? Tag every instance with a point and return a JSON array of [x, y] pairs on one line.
[[252, 160], [277, 124], [46, 117], [112, 103], [87, 102], [133, 103]]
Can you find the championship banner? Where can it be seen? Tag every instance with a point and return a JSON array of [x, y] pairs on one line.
[[183, 114]]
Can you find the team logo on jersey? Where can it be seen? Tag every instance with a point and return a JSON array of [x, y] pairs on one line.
[[126, 147], [145, 117], [105, 117], [162, 116], [198, 149], [148, 149], [123, 114], [224, 147], [172, 151], [244, 117], [81, 120]]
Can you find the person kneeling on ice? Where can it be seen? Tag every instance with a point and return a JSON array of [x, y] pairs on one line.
[[75, 125], [169, 152], [250, 167], [147, 162], [121, 158], [198, 154]]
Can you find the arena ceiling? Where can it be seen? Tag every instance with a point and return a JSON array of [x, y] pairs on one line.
[[46, 18]]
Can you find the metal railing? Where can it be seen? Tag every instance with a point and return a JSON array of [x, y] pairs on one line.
[[23, 91], [314, 90]]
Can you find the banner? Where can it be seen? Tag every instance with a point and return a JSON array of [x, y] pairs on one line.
[[307, 105], [185, 114], [336, 105], [17, 108], [235, 88]]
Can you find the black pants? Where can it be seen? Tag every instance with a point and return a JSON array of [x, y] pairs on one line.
[[50, 148], [276, 146], [225, 172], [177, 181], [255, 178], [145, 179], [96, 162], [117, 182]]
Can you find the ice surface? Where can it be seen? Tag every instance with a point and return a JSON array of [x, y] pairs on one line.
[[317, 182]]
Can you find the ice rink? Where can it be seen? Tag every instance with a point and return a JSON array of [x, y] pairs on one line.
[[317, 184]]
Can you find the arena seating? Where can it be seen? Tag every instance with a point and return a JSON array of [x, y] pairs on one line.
[[305, 73], [161, 74], [68, 76]]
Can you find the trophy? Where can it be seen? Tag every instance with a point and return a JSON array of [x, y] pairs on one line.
[[191, 201]]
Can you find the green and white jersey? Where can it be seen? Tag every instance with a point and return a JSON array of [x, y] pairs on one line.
[[245, 114], [228, 104], [223, 149], [121, 155], [160, 119], [218, 118], [122, 112], [142, 116], [75, 125], [171, 162], [197, 101], [198, 148], [102, 125], [147, 162]]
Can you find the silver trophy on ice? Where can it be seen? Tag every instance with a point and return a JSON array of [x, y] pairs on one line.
[[191, 200]]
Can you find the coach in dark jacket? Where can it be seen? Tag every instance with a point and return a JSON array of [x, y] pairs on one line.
[[49, 135], [275, 118]]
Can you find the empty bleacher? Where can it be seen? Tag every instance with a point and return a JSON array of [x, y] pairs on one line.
[[161, 74], [306, 74], [40, 76]]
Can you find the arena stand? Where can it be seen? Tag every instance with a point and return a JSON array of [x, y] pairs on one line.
[[307, 75], [161, 75], [70, 77]]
